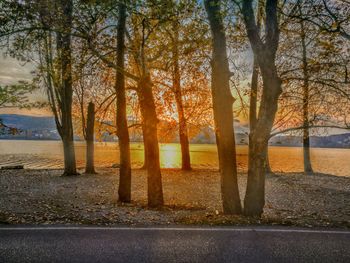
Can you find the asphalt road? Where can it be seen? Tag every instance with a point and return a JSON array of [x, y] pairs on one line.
[[94, 244]]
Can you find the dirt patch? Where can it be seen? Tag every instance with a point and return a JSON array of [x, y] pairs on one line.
[[44, 197]]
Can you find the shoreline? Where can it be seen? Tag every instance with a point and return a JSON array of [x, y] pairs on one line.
[[82, 142], [282, 160]]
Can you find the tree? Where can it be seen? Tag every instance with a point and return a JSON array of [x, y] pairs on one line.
[[330, 16], [265, 52], [143, 27], [223, 112], [307, 68], [306, 92], [254, 86], [108, 12], [180, 75], [90, 167], [181, 49], [312, 70], [138, 32], [61, 92], [42, 30], [93, 97], [124, 190], [183, 130]]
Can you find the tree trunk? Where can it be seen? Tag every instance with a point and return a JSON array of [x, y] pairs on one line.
[[223, 112], [258, 143], [150, 137], [90, 167], [124, 190], [265, 53], [66, 93], [183, 133], [145, 155], [253, 107], [69, 157], [306, 137], [306, 151], [253, 96], [255, 194], [267, 164]]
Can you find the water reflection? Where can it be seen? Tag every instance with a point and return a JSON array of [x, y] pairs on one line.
[[170, 155]]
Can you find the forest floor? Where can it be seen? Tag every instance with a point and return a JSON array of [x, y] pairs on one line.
[[44, 197]]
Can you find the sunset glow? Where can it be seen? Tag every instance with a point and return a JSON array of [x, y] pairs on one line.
[[174, 131]]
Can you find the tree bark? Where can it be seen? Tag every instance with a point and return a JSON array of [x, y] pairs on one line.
[[65, 62], [254, 95], [223, 112], [253, 107], [258, 146], [124, 190], [267, 164], [90, 125], [183, 132], [150, 138], [306, 124], [306, 151], [265, 53], [145, 155], [69, 157]]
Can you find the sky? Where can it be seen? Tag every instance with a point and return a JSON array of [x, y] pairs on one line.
[[12, 71]]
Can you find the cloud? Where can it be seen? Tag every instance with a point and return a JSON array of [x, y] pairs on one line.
[[12, 71]]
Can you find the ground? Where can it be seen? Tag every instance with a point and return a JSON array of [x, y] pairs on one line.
[[44, 197]]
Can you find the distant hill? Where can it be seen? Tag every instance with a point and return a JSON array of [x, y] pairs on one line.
[[337, 141], [330, 141], [37, 128], [25, 122]]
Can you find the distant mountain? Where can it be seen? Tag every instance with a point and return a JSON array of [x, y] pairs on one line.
[[207, 134], [337, 141], [44, 128], [25, 122], [330, 141]]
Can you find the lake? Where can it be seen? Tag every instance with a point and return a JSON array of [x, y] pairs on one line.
[[49, 154]]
